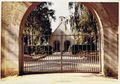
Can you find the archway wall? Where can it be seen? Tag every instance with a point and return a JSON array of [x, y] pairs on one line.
[[108, 14], [12, 15], [110, 29]]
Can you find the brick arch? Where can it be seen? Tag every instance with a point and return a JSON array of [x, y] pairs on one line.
[[28, 11], [93, 8], [90, 6]]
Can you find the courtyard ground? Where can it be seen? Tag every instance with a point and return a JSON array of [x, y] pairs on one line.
[[60, 78]]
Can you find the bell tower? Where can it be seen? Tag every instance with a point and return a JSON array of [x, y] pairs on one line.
[[62, 19]]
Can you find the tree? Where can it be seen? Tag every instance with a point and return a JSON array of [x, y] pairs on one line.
[[38, 22], [82, 21]]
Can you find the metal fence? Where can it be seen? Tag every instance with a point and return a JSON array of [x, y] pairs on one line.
[[61, 53]]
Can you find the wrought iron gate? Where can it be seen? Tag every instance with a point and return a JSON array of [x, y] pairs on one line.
[[61, 53]]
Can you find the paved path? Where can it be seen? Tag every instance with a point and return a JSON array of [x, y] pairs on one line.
[[60, 78]]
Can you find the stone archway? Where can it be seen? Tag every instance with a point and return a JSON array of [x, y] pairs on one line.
[[12, 22]]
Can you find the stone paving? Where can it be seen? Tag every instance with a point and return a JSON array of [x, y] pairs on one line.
[[60, 78]]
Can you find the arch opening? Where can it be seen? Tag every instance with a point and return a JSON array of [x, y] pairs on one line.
[[44, 40]]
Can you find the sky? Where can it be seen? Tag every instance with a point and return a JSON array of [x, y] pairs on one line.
[[61, 9]]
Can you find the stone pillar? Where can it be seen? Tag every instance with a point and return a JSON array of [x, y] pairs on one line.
[[12, 14]]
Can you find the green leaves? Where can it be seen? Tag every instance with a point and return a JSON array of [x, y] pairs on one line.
[[39, 20], [82, 21]]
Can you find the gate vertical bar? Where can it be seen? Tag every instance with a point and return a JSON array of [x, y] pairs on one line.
[[61, 52], [21, 56]]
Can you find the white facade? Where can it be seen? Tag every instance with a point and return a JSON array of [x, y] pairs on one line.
[[62, 34]]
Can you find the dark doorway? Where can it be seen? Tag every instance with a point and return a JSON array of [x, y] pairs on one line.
[[66, 45], [56, 46]]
